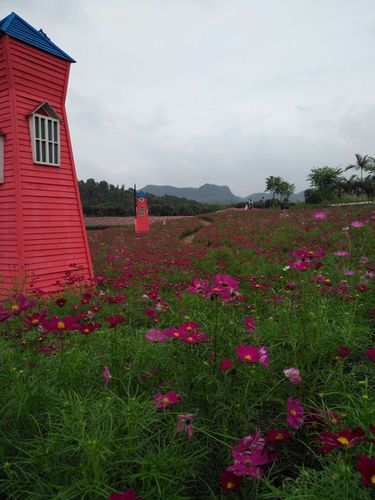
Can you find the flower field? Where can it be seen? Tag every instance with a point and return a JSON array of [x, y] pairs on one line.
[[229, 356]]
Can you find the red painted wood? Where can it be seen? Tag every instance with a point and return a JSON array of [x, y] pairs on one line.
[[141, 215], [41, 223]]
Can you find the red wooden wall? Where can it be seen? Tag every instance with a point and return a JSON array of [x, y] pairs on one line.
[[41, 222]]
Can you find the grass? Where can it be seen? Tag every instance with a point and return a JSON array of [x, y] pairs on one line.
[[70, 433]]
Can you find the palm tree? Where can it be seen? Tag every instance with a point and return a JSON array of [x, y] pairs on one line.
[[364, 163]]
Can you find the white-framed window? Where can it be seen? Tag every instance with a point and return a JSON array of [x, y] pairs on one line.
[[45, 135], [1, 158], [141, 211]]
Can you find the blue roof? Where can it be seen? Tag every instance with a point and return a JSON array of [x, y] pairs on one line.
[[141, 194], [14, 26]]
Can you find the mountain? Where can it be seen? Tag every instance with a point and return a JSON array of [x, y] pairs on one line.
[[210, 193]]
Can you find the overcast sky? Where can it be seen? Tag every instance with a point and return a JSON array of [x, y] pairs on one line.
[[229, 92]]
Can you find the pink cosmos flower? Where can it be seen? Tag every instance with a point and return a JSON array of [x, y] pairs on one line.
[[295, 413], [229, 482], [163, 400], [349, 272], [189, 326], [319, 215], [184, 424], [247, 353], [56, 324], [344, 351], [22, 304], [194, 338], [4, 315], [293, 375], [278, 435], [155, 335], [106, 375], [341, 253], [342, 439], [225, 365], [250, 324], [246, 463], [114, 320], [356, 223], [264, 356], [366, 467], [198, 286], [301, 265], [127, 495], [225, 280], [250, 442], [370, 354]]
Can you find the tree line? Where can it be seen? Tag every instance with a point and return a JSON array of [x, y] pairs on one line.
[[328, 184], [101, 199]]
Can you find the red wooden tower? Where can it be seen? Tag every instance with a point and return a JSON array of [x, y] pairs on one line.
[[141, 213], [42, 231]]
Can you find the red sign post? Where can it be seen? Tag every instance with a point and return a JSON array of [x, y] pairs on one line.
[[141, 213]]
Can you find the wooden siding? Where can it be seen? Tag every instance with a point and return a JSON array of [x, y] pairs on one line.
[[53, 231]]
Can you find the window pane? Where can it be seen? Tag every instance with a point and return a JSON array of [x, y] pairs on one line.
[[55, 138], [37, 129], [43, 143], [56, 156], [37, 146], [42, 126], [49, 136], [50, 160]]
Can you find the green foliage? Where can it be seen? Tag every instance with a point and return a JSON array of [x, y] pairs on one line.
[[66, 435], [103, 199]]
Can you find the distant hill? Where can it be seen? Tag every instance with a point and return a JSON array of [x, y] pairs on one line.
[[210, 193]]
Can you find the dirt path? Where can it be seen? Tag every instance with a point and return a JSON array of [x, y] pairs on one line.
[[190, 237]]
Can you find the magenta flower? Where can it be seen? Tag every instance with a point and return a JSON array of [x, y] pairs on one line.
[[295, 413], [246, 463], [349, 272], [319, 215], [194, 338], [278, 435], [248, 443], [225, 280], [293, 375], [341, 253], [342, 439], [22, 305], [198, 286], [247, 353], [155, 335], [264, 356], [114, 320], [60, 324], [106, 375], [301, 265], [356, 223], [230, 483], [4, 315], [225, 364], [127, 495], [344, 351], [163, 400], [250, 324], [366, 467], [184, 424], [370, 354]]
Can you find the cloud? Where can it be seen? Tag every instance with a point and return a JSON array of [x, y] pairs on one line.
[[185, 92]]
